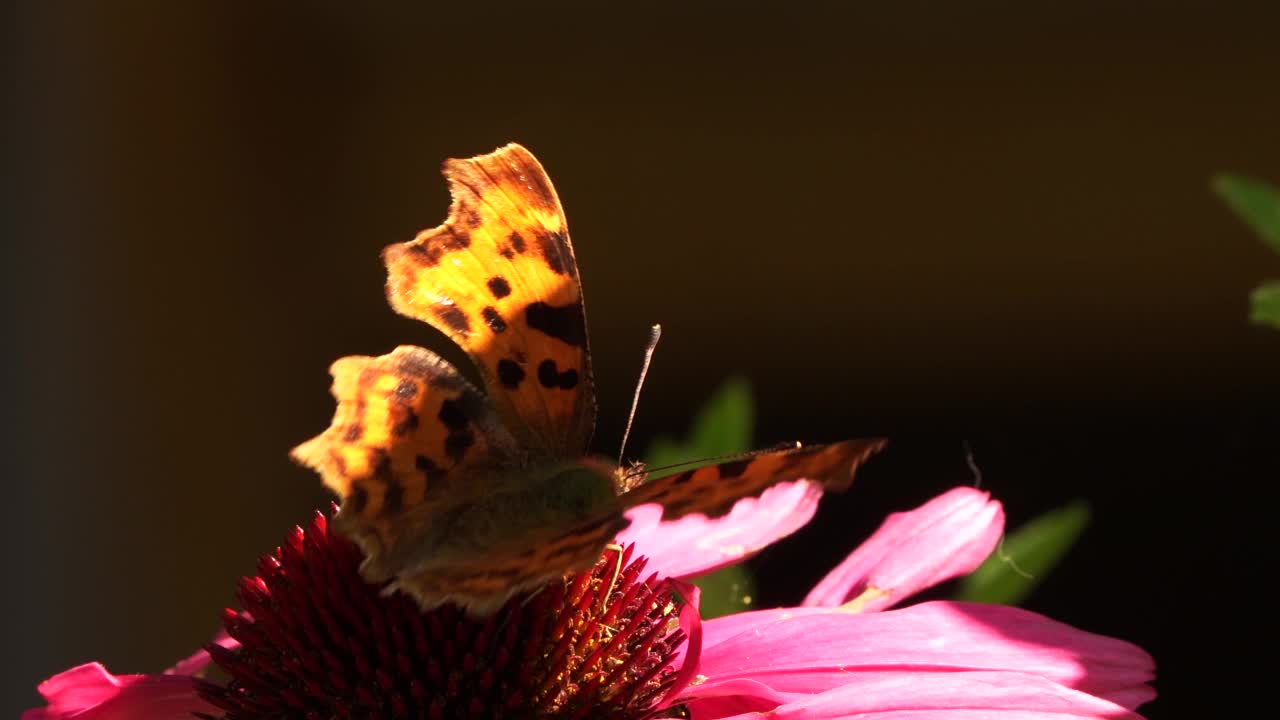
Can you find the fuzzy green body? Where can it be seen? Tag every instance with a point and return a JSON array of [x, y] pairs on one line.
[[510, 511], [554, 500]]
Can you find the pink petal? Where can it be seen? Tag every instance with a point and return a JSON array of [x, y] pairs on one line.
[[690, 653], [718, 630], [694, 544], [89, 692], [946, 537], [931, 695], [733, 697], [197, 662], [815, 652]]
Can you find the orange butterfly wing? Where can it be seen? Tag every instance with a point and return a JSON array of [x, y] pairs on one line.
[[409, 434], [500, 279], [712, 490]]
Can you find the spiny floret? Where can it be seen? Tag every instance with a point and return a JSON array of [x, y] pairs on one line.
[[317, 641]]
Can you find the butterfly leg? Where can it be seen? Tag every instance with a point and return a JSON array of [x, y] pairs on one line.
[[617, 570]]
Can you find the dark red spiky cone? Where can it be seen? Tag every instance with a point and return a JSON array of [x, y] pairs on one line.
[[317, 641]]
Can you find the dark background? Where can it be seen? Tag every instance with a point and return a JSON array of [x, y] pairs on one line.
[[940, 222]]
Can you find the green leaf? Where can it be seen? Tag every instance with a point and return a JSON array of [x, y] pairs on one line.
[[723, 426], [726, 591], [1265, 301], [1026, 556], [1256, 202]]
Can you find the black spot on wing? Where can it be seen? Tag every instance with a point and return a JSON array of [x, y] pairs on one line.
[[393, 492], [393, 499], [733, 468], [569, 379], [470, 216], [499, 286], [381, 462], [424, 254], [682, 478], [357, 500], [517, 242], [551, 247], [455, 239], [433, 472], [406, 421], [456, 444], [510, 374], [452, 415], [454, 318], [564, 323], [456, 414], [353, 432], [547, 374], [550, 377], [493, 319]]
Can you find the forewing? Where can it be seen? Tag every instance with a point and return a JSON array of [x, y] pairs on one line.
[[500, 279], [712, 490], [408, 434]]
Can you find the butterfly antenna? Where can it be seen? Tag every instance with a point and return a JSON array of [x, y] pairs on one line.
[[714, 459], [655, 333]]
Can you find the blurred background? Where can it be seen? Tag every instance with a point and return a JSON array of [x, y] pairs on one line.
[[975, 223]]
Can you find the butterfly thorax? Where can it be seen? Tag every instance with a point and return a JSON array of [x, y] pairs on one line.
[[520, 507]]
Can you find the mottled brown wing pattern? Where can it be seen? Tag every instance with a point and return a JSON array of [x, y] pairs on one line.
[[408, 432], [500, 279], [712, 490], [482, 583]]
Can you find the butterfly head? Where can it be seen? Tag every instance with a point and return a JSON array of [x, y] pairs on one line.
[[576, 490]]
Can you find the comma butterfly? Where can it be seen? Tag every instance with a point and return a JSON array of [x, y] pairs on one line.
[[461, 496]]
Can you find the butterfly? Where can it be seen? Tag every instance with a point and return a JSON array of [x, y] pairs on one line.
[[457, 495]]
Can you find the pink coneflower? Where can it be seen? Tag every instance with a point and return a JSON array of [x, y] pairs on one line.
[[89, 692], [615, 642]]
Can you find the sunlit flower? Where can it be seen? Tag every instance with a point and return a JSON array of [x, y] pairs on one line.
[[947, 537], [613, 642], [837, 657]]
